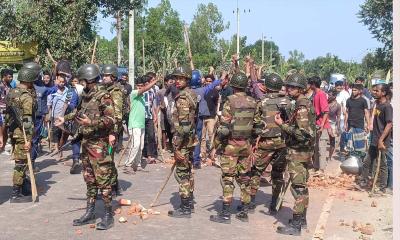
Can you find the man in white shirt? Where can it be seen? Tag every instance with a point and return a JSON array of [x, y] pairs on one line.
[[341, 98]]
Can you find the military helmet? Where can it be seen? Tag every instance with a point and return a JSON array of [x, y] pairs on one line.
[[110, 69], [195, 82], [89, 72], [182, 71], [239, 80], [296, 80], [29, 72], [273, 81]]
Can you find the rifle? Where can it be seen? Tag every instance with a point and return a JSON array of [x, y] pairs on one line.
[[282, 195], [69, 142], [16, 116], [283, 113]]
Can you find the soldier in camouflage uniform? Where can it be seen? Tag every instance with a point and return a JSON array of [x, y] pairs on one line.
[[300, 131], [270, 145], [21, 107], [234, 135], [110, 73], [184, 140], [95, 115]]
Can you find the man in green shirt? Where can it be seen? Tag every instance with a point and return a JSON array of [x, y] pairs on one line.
[[137, 123]]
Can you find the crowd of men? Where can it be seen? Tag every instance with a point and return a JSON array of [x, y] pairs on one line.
[[248, 118]]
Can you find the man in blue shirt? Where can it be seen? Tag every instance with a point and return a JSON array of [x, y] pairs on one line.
[[195, 84]]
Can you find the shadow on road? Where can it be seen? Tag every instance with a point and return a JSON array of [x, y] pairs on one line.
[[5, 192], [43, 183]]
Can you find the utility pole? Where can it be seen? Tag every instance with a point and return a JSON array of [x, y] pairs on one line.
[[262, 48], [119, 42], [132, 48], [237, 29]]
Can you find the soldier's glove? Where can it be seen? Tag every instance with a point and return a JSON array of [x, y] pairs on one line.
[[179, 157]]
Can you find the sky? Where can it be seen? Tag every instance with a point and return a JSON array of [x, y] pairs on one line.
[[314, 27]]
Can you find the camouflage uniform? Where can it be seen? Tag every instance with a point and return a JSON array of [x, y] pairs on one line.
[[301, 131], [116, 92], [184, 139], [237, 116], [301, 139], [21, 107], [97, 164], [270, 145], [25, 101]]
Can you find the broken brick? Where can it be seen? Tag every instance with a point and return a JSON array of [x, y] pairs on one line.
[[124, 202]]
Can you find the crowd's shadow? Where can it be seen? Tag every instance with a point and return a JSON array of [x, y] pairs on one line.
[[5, 192], [43, 181]]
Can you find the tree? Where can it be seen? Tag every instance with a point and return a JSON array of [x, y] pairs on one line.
[[272, 56], [66, 28], [296, 59], [106, 51], [110, 7], [203, 34], [378, 17]]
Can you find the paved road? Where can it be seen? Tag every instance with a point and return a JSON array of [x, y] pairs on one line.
[[63, 195]]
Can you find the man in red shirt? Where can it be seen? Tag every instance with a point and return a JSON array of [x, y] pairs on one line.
[[321, 108]]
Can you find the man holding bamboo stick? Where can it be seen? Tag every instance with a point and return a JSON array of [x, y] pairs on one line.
[[20, 112]]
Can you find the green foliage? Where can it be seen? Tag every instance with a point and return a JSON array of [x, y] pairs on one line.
[[106, 51], [64, 27], [162, 31], [110, 7], [272, 56], [378, 17], [203, 34]]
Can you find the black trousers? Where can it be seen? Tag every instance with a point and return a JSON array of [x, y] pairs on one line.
[[150, 145]]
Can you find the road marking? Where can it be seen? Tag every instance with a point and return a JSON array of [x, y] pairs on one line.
[[323, 218], [326, 210]]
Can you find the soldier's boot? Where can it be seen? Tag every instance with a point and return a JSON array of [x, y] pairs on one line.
[[183, 211], [252, 205], [116, 189], [191, 202], [303, 219], [224, 216], [272, 206], [243, 214], [17, 197], [88, 217], [75, 167], [107, 221], [26, 188], [293, 228]]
